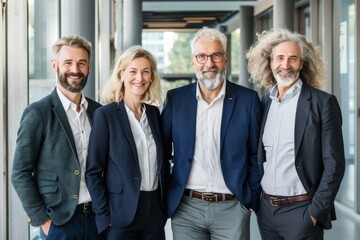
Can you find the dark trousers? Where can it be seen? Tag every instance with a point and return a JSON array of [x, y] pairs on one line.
[[287, 222], [148, 223], [81, 226]]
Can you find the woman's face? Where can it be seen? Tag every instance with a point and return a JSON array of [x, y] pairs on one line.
[[137, 77]]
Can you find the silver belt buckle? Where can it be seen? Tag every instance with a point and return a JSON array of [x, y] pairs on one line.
[[87, 208], [209, 197]]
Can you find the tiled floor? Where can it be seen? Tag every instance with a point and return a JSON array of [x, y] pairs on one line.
[[346, 227]]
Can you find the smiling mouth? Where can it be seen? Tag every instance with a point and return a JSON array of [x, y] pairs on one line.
[[139, 84], [286, 72], [210, 71], [75, 76]]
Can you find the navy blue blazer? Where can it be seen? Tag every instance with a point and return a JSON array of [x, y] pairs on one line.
[[319, 149], [113, 173], [238, 144], [46, 168]]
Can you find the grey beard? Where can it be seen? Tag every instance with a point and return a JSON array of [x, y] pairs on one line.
[[286, 81], [211, 83]]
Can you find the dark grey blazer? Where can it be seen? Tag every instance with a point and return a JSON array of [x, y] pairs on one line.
[[46, 170], [319, 149]]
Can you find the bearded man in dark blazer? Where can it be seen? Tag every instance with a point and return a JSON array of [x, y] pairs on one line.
[[210, 131], [301, 150], [51, 149]]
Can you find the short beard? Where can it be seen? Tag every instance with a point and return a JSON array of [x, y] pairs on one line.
[[211, 83], [75, 88], [286, 81]]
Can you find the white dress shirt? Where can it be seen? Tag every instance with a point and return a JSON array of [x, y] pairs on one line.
[[280, 176], [81, 128], [206, 174], [146, 150]]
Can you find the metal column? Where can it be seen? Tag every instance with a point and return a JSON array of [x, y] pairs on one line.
[[246, 39], [132, 22], [78, 17], [284, 14]]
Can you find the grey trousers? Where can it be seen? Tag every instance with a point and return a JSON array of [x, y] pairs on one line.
[[200, 220], [288, 222]]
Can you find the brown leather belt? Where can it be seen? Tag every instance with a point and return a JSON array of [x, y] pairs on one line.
[[280, 201], [209, 197]]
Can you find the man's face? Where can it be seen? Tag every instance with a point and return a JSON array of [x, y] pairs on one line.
[[210, 73], [286, 63], [72, 67]]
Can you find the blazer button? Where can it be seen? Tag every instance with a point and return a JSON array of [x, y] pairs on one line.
[[75, 196], [29, 219], [76, 172]]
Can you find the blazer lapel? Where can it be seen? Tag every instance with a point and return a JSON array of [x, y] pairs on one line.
[[62, 118], [302, 114], [125, 124], [155, 130], [229, 102], [266, 102], [189, 114]]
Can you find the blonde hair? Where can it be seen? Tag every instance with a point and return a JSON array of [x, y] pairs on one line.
[[114, 88], [259, 56], [72, 41]]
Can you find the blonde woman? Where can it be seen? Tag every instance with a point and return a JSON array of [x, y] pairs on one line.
[[125, 173]]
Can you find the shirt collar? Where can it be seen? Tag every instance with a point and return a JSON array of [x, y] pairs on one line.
[[274, 91], [69, 104], [129, 112]]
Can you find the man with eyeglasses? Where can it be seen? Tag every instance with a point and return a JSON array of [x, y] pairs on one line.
[[210, 131]]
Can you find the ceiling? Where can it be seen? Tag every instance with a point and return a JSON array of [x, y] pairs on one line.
[[162, 15]]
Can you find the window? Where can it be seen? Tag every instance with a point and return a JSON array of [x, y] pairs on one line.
[[43, 31], [173, 55], [344, 84], [303, 22]]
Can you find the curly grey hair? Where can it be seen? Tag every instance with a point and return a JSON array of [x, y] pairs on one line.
[[259, 57]]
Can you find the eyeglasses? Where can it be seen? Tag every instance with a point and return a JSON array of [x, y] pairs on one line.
[[215, 57]]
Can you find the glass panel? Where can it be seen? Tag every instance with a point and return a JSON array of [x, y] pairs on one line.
[[173, 55], [304, 21], [235, 58], [344, 77], [264, 21], [43, 31], [3, 124]]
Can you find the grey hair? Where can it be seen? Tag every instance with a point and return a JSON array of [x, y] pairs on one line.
[[259, 56], [211, 34]]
